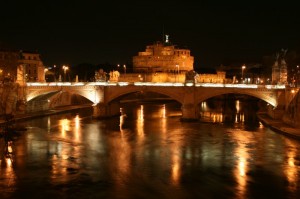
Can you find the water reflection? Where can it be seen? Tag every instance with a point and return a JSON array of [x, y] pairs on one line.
[[220, 111], [148, 153], [291, 168], [140, 123], [176, 161], [65, 126], [8, 178], [242, 158], [77, 129]]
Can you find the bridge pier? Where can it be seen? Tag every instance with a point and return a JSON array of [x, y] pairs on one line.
[[190, 112], [104, 110]]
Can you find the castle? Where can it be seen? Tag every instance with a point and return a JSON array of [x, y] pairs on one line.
[[163, 57]]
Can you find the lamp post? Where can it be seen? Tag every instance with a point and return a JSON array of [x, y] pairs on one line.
[[243, 68], [124, 66], [65, 68], [54, 68]]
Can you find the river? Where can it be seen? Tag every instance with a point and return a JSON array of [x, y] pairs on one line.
[[148, 152]]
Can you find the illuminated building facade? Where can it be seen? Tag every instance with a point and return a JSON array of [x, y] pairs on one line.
[[279, 69], [220, 77], [29, 64], [163, 57]]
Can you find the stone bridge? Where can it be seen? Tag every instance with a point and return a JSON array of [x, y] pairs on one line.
[[106, 95]]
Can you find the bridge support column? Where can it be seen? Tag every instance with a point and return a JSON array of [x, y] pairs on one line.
[[189, 113], [103, 110]]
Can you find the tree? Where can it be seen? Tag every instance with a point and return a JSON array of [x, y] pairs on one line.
[[8, 98]]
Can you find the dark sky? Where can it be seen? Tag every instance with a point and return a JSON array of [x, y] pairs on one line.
[[94, 31]]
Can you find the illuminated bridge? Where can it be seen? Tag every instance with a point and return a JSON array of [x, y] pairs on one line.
[[106, 95]]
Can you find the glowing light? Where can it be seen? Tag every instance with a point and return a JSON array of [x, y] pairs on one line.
[[140, 123], [189, 84], [163, 111], [123, 83], [77, 128], [121, 120], [290, 168], [204, 106], [65, 126], [242, 167], [177, 84], [237, 105]]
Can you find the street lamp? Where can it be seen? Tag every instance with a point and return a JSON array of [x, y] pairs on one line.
[[124, 66], [243, 68], [65, 68], [54, 66]]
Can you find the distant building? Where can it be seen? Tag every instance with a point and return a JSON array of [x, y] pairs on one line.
[[279, 69], [163, 57], [220, 77], [21, 66]]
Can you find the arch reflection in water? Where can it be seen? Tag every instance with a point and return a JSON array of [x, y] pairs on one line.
[[220, 111]]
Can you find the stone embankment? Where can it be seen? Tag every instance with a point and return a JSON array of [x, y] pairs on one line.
[[57, 110], [279, 126]]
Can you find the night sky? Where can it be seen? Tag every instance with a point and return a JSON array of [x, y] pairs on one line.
[[90, 31]]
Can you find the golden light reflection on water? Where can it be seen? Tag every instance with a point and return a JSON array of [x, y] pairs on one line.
[[241, 168], [77, 130], [290, 168], [65, 126], [140, 123], [7, 174], [175, 170], [237, 106], [122, 119], [239, 117], [176, 158], [163, 122], [48, 124], [217, 115], [163, 111]]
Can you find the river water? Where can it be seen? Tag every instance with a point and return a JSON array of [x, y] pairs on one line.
[[148, 152]]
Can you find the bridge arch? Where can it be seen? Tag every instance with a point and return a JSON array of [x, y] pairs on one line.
[[268, 97], [114, 93], [90, 92]]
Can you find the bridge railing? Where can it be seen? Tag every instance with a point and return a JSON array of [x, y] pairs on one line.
[[216, 85]]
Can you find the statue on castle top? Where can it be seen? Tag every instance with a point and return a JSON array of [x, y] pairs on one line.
[[283, 53]]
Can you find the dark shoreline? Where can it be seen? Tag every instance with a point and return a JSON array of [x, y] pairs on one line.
[[279, 126]]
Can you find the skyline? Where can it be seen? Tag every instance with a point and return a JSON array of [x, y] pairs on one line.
[[74, 33]]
